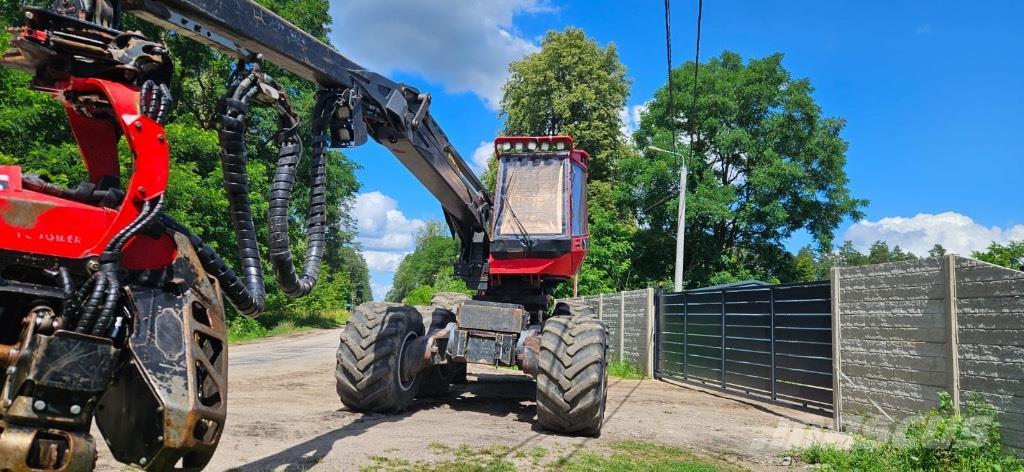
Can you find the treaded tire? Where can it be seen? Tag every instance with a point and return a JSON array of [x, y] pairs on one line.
[[572, 381], [368, 369], [450, 301], [574, 308]]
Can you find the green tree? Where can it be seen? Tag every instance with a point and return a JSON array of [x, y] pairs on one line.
[[435, 253], [879, 253], [806, 265], [572, 86], [1010, 255], [764, 163], [444, 281], [937, 251], [358, 274]]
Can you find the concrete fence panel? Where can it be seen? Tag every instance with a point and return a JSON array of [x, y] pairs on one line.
[[630, 319], [907, 331]]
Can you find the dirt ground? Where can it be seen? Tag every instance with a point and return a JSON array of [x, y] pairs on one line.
[[284, 415]]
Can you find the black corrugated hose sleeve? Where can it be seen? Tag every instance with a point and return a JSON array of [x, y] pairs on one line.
[[282, 185], [113, 297], [98, 284], [214, 265], [249, 297]]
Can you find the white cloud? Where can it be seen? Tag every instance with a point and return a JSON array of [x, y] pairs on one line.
[[481, 156], [386, 236], [466, 45], [630, 117], [383, 261], [379, 289], [959, 234]]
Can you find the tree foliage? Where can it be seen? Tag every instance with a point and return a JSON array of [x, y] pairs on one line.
[[34, 133], [574, 87], [764, 163], [1010, 255], [431, 264]]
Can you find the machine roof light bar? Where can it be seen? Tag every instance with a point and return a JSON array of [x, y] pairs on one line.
[[511, 144]]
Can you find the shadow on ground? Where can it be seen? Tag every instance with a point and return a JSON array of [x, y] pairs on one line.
[[500, 395]]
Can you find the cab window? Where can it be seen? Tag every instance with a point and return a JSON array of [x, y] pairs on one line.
[[579, 201]]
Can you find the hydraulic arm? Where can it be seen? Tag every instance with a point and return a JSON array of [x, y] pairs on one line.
[[395, 115]]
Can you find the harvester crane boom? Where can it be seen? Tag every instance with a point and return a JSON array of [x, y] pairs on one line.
[[395, 115]]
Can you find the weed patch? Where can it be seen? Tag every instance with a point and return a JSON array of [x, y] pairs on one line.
[[940, 440], [623, 456], [625, 370]]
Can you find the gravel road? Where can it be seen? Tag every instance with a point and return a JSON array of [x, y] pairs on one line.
[[284, 415]]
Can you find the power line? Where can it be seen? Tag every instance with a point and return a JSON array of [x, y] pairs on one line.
[[696, 70], [668, 56], [671, 95]]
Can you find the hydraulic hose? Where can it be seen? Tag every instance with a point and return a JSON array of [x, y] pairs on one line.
[[290, 151], [247, 292], [251, 300], [233, 287]]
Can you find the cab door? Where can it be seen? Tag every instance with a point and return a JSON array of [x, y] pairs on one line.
[[580, 232]]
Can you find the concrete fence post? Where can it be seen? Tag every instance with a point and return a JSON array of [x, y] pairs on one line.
[[952, 332], [622, 326], [649, 335], [837, 364]]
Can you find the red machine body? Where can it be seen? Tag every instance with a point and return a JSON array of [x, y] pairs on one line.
[[542, 181], [41, 224]]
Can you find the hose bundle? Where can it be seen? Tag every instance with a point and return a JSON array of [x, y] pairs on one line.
[[247, 292], [91, 310]]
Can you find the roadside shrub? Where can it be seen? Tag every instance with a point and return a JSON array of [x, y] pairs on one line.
[[939, 440], [243, 328]]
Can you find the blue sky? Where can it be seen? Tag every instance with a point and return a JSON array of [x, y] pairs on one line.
[[931, 91]]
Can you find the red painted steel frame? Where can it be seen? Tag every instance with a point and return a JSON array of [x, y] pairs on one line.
[[36, 223]]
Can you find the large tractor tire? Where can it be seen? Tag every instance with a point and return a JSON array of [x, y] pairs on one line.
[[573, 378], [369, 358], [450, 301]]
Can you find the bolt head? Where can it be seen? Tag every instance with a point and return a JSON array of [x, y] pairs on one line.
[[138, 125], [75, 409], [143, 461], [39, 405]]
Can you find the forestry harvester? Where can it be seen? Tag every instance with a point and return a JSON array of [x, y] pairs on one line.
[[112, 310]]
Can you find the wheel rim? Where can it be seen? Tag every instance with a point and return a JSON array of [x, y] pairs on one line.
[[404, 384]]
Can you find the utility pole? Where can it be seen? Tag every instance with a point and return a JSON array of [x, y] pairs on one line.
[[681, 218]]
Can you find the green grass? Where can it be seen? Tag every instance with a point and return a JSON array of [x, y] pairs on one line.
[[938, 441], [619, 456], [625, 370], [241, 328], [635, 455]]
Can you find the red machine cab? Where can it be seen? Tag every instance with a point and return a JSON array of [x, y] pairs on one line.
[[540, 222]]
